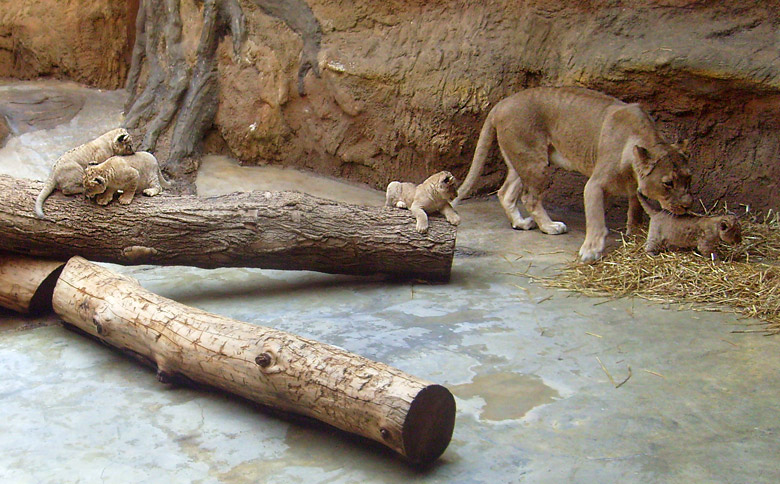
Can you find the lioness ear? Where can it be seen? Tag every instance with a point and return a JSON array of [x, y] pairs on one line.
[[643, 162], [121, 138], [447, 178], [99, 180]]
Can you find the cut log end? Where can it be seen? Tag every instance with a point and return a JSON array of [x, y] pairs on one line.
[[429, 424]]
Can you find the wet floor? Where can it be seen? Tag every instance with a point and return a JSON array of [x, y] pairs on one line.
[[533, 371]]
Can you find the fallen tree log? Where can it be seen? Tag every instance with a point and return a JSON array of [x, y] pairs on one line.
[[26, 283], [277, 369], [269, 230]]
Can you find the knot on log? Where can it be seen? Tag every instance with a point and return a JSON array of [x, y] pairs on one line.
[[263, 360]]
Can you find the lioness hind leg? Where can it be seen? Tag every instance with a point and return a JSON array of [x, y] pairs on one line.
[[530, 163], [508, 195]]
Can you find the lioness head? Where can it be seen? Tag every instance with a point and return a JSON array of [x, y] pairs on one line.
[[94, 183], [662, 175], [121, 143], [729, 230], [446, 184]]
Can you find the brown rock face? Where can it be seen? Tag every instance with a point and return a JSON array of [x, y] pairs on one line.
[[81, 40], [404, 85]]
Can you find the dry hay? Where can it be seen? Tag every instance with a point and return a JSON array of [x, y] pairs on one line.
[[746, 281]]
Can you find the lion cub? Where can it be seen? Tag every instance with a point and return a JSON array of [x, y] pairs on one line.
[[669, 231], [139, 171], [68, 171], [431, 196]]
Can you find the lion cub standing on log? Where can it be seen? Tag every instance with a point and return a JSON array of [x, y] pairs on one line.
[[670, 231], [613, 143], [431, 196], [139, 171], [67, 173]]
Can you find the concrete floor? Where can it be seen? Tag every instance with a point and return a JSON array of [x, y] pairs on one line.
[[534, 403]]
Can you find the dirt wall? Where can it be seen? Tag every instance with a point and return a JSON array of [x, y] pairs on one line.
[[404, 86]]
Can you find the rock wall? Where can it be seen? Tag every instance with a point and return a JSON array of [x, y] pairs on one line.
[[87, 41], [404, 85]]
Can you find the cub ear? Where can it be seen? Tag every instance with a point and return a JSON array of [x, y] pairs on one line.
[[447, 178], [643, 161], [121, 138], [99, 180]]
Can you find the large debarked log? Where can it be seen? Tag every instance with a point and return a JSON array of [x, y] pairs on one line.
[[286, 372], [270, 230]]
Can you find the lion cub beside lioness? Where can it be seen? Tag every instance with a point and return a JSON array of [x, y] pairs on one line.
[[128, 174], [674, 232], [431, 196]]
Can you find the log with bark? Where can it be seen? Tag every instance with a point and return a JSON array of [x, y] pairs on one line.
[[270, 230], [26, 283], [277, 369]]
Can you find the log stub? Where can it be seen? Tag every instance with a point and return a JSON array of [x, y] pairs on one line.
[[26, 283], [276, 369]]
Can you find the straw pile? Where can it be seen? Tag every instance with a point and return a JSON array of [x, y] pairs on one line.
[[746, 281]]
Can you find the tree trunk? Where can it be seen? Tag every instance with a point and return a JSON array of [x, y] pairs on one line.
[[26, 283], [413, 417], [270, 230]]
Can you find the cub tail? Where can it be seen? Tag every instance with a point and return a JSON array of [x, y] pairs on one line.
[[163, 181], [47, 190], [486, 137]]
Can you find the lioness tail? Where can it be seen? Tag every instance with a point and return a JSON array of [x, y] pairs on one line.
[[486, 137], [48, 187]]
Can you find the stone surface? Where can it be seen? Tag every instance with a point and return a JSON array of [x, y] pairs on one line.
[[534, 404]]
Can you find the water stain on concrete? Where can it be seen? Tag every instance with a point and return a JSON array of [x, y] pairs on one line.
[[507, 395]]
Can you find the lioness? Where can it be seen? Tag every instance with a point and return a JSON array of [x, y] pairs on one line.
[[139, 171], [613, 143], [67, 172], [674, 232], [431, 196]]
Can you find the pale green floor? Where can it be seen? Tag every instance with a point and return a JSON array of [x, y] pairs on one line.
[[534, 404]]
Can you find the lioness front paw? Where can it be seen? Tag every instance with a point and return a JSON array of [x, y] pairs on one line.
[[554, 228], [421, 227], [591, 251], [454, 219]]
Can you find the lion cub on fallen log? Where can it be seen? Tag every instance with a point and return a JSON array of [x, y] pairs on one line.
[[431, 196], [674, 232], [128, 174], [67, 172]]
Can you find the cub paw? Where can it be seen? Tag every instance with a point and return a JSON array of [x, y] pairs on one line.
[[453, 219], [422, 228]]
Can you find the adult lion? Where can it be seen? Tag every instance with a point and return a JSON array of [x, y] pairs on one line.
[[613, 143]]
